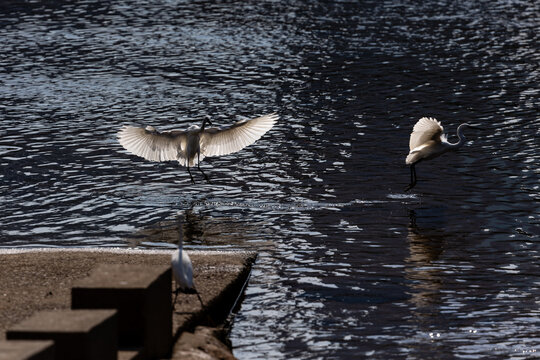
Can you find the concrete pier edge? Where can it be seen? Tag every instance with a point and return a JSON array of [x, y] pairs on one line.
[[40, 278]]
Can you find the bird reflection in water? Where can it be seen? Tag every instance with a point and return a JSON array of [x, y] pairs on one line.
[[202, 229], [425, 279]]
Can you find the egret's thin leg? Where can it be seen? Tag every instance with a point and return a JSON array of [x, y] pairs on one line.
[[175, 297], [199, 167], [199, 297], [189, 291], [191, 176], [413, 178]]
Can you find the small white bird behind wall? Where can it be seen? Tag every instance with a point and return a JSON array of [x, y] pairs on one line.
[[429, 141], [195, 143], [181, 263], [182, 268]]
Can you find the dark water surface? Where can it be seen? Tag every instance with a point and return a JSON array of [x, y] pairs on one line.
[[350, 266]]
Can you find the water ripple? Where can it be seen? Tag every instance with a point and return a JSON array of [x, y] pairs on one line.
[[348, 263]]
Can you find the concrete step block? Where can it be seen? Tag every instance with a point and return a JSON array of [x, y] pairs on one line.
[[26, 350], [142, 296], [77, 334]]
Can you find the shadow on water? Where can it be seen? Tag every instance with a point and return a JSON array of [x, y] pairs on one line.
[[202, 232]]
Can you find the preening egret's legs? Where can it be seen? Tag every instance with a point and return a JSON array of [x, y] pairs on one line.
[[413, 179], [199, 297], [175, 297], [191, 291], [199, 167]]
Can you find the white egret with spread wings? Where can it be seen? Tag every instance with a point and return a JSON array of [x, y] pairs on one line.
[[429, 141], [190, 146]]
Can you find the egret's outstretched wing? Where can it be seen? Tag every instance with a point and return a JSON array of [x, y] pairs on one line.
[[223, 141], [424, 130], [154, 145]]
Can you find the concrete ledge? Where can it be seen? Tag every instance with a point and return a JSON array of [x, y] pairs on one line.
[[26, 350], [41, 279], [204, 343], [220, 285], [142, 296], [77, 334]]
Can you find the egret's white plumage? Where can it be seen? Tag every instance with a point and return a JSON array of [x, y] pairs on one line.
[[182, 268], [222, 141], [190, 146], [181, 265], [428, 141]]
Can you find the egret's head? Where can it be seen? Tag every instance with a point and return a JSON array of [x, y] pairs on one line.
[[206, 120]]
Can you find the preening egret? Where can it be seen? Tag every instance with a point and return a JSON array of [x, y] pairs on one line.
[[190, 146], [182, 268], [428, 141]]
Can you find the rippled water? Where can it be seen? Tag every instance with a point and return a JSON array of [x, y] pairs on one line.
[[349, 264]]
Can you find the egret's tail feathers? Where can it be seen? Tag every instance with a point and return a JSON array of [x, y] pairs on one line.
[[413, 157], [418, 153]]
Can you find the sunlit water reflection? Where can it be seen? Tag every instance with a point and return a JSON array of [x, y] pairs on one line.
[[349, 264]]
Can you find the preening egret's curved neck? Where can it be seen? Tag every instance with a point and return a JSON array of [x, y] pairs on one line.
[[460, 135]]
